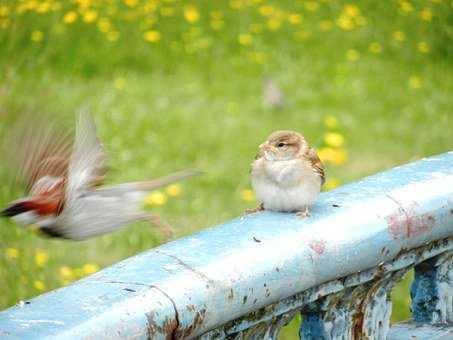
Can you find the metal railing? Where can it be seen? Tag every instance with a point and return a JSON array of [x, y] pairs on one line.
[[249, 277]]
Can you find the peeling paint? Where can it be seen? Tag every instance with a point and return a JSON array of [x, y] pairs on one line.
[[318, 246]]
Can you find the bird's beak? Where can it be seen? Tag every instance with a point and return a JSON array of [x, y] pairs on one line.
[[263, 145]]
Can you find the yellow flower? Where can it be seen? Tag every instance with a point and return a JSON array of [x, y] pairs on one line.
[[311, 6], [274, 24], [325, 25], [66, 272], [330, 121], [415, 82], [39, 285], [266, 10], [41, 258], [12, 253], [104, 25], [173, 190], [295, 19], [351, 11], [90, 268], [70, 17], [333, 139], [352, 55], [90, 16], [423, 47], [426, 14], [131, 3], [4, 10], [245, 39], [406, 6], [119, 83], [156, 198], [247, 195], [345, 23], [375, 47], [331, 183], [331, 155], [399, 36], [152, 36], [191, 14], [36, 36]]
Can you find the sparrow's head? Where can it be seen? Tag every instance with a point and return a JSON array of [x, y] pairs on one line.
[[283, 146]]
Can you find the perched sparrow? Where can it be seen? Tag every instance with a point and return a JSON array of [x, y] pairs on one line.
[[287, 174], [273, 97], [62, 179]]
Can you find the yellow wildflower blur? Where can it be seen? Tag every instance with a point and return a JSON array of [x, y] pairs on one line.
[[191, 14], [399, 36], [247, 195], [406, 6], [41, 258], [119, 83], [426, 14], [311, 6], [295, 19], [90, 16], [70, 17], [333, 139], [325, 25], [331, 183], [36, 36], [375, 47], [66, 273], [173, 190], [12, 253], [330, 121], [423, 47], [415, 82], [245, 39], [39, 285], [156, 198], [331, 155], [152, 36], [90, 268], [266, 10], [352, 55]]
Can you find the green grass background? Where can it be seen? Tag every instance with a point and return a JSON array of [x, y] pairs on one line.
[[194, 99]]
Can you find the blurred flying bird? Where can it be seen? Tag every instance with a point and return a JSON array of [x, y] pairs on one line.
[[287, 174], [273, 97], [63, 180]]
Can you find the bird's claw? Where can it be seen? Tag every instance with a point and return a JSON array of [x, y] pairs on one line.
[[303, 213], [254, 210]]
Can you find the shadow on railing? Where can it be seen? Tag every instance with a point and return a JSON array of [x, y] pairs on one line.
[[249, 277]]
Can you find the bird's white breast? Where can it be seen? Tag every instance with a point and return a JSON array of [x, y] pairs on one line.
[[289, 185]]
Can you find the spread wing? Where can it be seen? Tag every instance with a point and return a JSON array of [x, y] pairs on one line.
[[36, 148], [317, 164], [86, 166]]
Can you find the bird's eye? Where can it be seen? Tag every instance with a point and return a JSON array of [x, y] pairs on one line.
[[280, 145]]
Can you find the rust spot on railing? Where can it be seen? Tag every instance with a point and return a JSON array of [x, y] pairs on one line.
[[318, 246], [406, 223]]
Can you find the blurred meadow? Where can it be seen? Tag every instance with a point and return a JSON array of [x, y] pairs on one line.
[[176, 84]]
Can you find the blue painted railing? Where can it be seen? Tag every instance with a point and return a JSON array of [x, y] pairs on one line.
[[250, 276]]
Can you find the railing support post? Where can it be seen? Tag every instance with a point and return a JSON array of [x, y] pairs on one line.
[[360, 312], [432, 290]]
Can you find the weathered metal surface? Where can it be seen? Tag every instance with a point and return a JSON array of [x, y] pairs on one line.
[[432, 290], [414, 331], [192, 285]]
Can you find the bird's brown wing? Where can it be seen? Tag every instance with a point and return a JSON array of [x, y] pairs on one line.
[[36, 148], [317, 164]]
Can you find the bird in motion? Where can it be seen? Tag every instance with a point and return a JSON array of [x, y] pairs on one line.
[[287, 174], [63, 177]]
